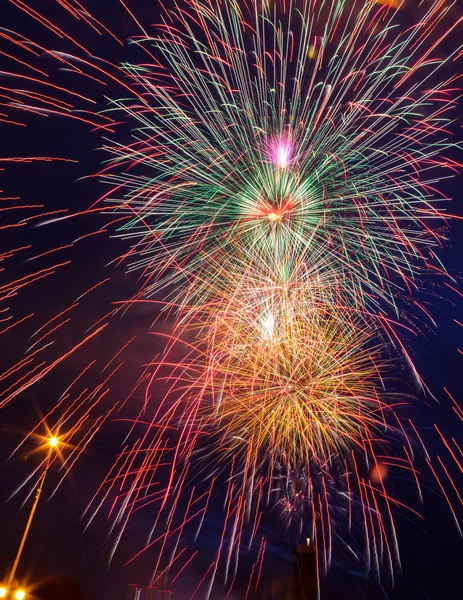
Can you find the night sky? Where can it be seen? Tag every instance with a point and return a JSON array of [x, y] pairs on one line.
[[431, 549]]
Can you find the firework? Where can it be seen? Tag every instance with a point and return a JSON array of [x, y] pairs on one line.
[[247, 140], [278, 188]]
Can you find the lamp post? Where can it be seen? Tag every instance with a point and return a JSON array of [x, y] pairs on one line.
[[19, 594]]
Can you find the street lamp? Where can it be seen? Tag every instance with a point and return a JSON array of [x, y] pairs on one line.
[[18, 594], [52, 442]]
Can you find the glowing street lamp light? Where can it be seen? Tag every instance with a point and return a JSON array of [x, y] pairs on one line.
[[18, 595]]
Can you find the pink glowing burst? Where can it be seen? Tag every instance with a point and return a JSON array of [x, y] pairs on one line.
[[281, 152]]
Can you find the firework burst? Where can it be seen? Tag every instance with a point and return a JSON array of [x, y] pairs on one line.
[[278, 188], [246, 139]]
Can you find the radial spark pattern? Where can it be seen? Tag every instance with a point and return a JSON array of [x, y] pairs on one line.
[[272, 169]]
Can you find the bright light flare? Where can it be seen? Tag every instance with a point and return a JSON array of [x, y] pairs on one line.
[[2, 592], [281, 153], [282, 158], [268, 325], [19, 595], [53, 442]]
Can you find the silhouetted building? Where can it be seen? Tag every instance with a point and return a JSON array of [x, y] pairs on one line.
[[133, 592], [157, 594], [304, 573], [156, 591]]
